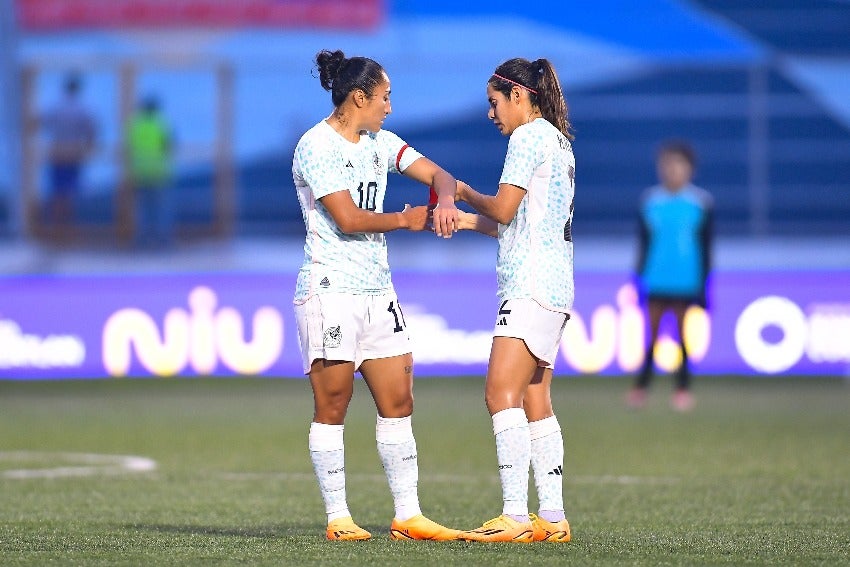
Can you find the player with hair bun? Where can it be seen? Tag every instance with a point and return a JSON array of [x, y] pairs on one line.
[[531, 215], [349, 317]]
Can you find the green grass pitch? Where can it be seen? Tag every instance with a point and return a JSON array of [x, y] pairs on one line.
[[757, 474]]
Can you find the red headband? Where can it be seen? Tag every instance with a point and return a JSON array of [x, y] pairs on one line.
[[515, 83]]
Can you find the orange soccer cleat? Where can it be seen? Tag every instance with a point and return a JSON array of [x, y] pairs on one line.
[[420, 527], [344, 529], [503, 528], [545, 530]]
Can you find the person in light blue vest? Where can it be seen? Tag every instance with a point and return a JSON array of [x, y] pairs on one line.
[[72, 134], [149, 150], [674, 259]]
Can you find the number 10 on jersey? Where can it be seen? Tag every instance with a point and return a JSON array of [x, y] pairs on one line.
[[368, 195]]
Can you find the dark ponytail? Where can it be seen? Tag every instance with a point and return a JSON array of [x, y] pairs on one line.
[[544, 89], [340, 76]]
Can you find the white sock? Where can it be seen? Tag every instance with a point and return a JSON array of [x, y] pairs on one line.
[[513, 452], [547, 458], [397, 449], [328, 455]]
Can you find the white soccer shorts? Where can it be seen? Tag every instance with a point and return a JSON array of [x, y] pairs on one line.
[[343, 326], [540, 328]]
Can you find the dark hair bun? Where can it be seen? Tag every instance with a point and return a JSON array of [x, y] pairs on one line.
[[329, 63]]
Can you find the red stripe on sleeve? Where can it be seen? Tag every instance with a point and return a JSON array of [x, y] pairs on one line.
[[398, 157]]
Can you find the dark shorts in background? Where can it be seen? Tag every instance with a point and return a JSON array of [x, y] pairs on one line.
[[64, 178]]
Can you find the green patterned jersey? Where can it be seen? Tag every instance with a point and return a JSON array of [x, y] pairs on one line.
[[324, 163], [535, 257]]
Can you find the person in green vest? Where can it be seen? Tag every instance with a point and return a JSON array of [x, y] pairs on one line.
[[149, 151]]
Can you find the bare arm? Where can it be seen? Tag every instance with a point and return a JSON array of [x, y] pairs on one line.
[[478, 223], [501, 207], [445, 215], [352, 219]]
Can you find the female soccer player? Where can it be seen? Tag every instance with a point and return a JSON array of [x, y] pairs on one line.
[[349, 317], [531, 214]]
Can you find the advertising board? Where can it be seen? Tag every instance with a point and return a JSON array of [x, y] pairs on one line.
[[221, 324]]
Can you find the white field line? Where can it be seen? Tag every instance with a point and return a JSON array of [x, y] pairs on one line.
[[455, 479], [63, 464], [91, 464]]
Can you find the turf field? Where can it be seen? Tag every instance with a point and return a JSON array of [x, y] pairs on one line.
[[757, 474]]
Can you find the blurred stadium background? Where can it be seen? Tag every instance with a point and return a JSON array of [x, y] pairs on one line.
[[761, 89]]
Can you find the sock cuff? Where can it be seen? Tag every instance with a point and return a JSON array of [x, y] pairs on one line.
[[326, 437], [510, 418], [543, 427], [394, 430]]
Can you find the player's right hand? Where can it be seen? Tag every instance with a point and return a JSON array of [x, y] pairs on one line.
[[417, 217]]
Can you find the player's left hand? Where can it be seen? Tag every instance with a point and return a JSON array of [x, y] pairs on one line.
[[445, 217]]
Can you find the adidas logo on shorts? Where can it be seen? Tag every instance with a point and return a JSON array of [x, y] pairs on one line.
[[325, 282]]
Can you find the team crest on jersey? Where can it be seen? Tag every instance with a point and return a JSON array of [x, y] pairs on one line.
[[333, 337], [377, 162]]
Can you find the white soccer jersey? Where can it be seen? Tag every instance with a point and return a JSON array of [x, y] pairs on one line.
[[325, 163], [536, 250]]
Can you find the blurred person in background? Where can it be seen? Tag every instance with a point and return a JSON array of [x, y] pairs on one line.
[[674, 260], [531, 215], [349, 317], [149, 147], [71, 132]]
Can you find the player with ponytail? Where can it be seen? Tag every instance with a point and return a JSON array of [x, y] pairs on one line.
[[545, 92], [531, 215]]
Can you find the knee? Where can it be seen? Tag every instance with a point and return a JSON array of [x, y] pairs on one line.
[[537, 410], [497, 401], [405, 408], [332, 408], [401, 407]]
